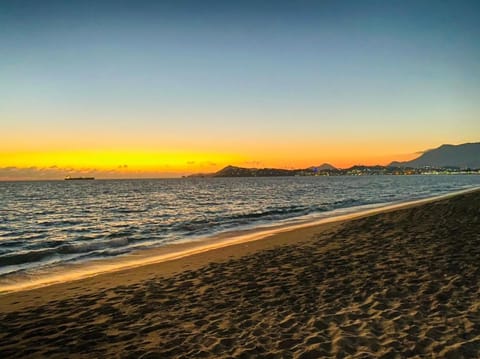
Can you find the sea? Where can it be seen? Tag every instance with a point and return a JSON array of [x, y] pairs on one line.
[[45, 224]]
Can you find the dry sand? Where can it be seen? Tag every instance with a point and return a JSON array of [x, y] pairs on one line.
[[404, 283]]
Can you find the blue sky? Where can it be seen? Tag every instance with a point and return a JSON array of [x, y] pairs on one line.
[[219, 77]]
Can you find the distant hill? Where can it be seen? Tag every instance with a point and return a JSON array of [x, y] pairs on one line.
[[365, 168], [324, 167], [462, 156], [232, 171]]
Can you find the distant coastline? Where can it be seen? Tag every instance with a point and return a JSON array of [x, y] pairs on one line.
[[445, 159], [233, 171]]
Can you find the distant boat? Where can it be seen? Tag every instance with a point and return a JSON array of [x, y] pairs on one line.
[[68, 178]]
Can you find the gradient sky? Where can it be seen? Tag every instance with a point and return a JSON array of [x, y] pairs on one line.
[[165, 88]]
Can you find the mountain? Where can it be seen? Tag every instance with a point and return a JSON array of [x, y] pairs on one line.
[[466, 155], [324, 167]]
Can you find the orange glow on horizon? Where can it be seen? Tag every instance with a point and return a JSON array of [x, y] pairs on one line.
[[149, 163], [120, 161]]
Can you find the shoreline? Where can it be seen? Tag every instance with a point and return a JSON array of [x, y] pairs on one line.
[[403, 282], [177, 251]]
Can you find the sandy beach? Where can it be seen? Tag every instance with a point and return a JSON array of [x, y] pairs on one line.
[[401, 283]]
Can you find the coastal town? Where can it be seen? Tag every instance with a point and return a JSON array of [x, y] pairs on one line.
[[233, 171]]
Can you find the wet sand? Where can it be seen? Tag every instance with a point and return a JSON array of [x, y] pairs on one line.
[[404, 283]]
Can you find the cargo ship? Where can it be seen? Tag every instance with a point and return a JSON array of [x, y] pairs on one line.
[[68, 178]]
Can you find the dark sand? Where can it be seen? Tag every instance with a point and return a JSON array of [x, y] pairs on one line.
[[404, 283]]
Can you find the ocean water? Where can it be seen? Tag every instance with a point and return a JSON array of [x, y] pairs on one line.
[[49, 223]]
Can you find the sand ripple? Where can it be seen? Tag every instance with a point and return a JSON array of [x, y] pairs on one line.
[[393, 285]]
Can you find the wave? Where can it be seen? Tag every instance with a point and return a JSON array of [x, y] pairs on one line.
[[25, 257], [72, 248], [39, 255], [60, 223], [89, 246]]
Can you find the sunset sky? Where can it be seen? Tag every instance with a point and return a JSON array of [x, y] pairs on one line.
[[166, 88]]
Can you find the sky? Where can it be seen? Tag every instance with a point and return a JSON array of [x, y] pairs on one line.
[[168, 88]]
